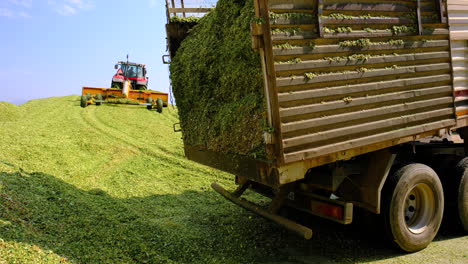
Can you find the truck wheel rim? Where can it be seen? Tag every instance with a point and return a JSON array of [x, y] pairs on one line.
[[419, 208]]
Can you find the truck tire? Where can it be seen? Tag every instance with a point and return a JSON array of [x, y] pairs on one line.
[[99, 98], [462, 201], [413, 206], [149, 100], [159, 105], [84, 101]]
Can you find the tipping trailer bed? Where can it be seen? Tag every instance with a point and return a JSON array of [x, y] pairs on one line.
[[350, 88], [385, 82]]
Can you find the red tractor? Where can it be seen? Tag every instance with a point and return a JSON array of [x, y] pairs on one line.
[[129, 86], [134, 72]]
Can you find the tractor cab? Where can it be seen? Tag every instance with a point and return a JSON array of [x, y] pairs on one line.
[[130, 71]]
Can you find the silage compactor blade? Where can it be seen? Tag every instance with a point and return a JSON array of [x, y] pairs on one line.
[[151, 99]]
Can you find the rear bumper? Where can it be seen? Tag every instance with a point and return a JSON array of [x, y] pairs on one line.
[[290, 196], [299, 229]]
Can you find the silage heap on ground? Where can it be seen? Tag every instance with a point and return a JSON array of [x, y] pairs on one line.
[[10, 112], [218, 85], [110, 184]]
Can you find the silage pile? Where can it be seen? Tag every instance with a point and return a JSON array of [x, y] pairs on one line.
[[218, 85], [10, 112]]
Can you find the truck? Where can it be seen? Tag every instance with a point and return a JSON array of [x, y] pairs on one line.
[[364, 105]]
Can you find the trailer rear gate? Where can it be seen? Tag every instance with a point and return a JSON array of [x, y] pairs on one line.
[[345, 78], [357, 77]]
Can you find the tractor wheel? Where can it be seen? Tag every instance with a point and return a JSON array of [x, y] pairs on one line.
[[149, 100], [142, 87], [98, 98], [159, 105], [89, 96], [462, 191], [412, 207], [84, 101]]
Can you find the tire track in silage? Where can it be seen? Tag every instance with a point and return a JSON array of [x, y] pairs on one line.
[[159, 148], [116, 158], [90, 117]]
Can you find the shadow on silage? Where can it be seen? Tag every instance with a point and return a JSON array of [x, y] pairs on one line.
[[362, 241], [93, 227]]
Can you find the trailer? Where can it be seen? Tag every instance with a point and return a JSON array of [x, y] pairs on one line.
[[366, 106]]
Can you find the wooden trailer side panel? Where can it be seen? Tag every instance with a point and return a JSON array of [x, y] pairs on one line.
[[458, 20], [354, 76]]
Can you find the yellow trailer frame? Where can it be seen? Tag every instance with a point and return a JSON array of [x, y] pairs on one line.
[[140, 96], [96, 95]]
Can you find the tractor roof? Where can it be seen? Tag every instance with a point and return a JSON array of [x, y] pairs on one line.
[[132, 63]]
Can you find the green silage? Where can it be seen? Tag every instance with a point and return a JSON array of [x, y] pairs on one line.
[[9, 112], [189, 19], [218, 84]]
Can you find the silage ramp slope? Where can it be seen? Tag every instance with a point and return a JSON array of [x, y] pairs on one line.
[[9, 112], [98, 143], [72, 171], [110, 184]]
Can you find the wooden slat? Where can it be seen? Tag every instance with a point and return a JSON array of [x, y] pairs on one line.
[[384, 33], [293, 21], [350, 6], [282, 11], [301, 26], [346, 117], [360, 68], [315, 108], [304, 35], [337, 48], [340, 132], [296, 4], [298, 80], [367, 21], [303, 65], [189, 10], [360, 88], [457, 8], [365, 141]]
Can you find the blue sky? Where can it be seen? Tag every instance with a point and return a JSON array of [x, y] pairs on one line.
[[54, 47]]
